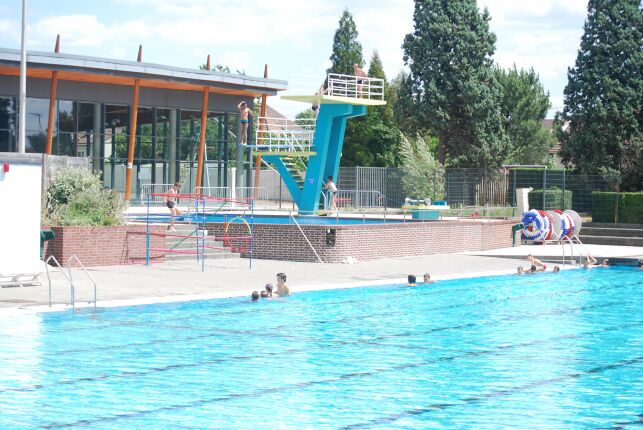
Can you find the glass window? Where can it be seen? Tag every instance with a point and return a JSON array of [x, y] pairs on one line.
[[8, 112], [65, 140], [36, 124], [116, 122]]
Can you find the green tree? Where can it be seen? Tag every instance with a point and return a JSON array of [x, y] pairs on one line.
[[524, 105], [346, 49], [449, 54], [373, 140], [423, 174], [603, 109]]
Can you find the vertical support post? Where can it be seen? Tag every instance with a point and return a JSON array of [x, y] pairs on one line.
[[563, 196], [262, 114], [96, 144], [154, 143], [52, 103], [226, 120], [544, 187], [171, 150], [22, 117], [147, 241], [204, 121], [132, 135]]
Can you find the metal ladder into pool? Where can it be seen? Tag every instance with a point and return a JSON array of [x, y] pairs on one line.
[[68, 276]]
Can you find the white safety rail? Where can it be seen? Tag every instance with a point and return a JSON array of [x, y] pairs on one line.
[[357, 199], [355, 86], [147, 189], [285, 135]]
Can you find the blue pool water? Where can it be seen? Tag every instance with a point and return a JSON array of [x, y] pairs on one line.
[[545, 351], [266, 219]]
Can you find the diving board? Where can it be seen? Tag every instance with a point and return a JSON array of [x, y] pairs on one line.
[[320, 140]]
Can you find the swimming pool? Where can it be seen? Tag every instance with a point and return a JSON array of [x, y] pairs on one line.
[[555, 351], [267, 219]]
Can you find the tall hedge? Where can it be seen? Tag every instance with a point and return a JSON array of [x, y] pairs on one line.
[[555, 198], [630, 207]]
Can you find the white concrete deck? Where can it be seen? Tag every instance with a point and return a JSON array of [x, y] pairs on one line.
[[183, 280]]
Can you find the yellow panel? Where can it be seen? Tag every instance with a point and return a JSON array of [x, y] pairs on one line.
[[335, 100]]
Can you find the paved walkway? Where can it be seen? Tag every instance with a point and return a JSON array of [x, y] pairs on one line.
[[183, 280]]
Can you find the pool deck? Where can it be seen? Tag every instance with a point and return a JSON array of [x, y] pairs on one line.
[[183, 280]]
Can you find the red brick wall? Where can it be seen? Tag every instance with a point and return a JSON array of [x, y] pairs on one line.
[[104, 246], [372, 241]]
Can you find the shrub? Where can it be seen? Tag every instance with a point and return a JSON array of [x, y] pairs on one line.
[[76, 197], [423, 175], [555, 198], [630, 207]]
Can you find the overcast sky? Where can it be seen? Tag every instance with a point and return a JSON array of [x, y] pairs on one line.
[[294, 37]]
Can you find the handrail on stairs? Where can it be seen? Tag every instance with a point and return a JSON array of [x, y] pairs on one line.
[[306, 238]]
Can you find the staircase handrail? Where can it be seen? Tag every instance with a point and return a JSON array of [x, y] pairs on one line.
[[306, 238]]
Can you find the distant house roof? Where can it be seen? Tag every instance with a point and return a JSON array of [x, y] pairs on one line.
[[122, 72]]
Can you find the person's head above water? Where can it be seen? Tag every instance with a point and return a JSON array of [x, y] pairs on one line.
[[255, 296], [556, 269], [520, 270], [281, 277], [427, 277], [411, 279], [269, 288]]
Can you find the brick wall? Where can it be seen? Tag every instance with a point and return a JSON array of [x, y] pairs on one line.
[[104, 246], [372, 241]]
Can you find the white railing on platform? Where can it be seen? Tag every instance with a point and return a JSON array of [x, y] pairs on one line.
[[283, 134], [355, 86], [154, 189]]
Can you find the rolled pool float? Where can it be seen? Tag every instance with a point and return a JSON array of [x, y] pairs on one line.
[[556, 225], [545, 232], [566, 224], [578, 222], [533, 224]]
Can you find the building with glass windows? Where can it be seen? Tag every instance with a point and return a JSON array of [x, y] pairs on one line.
[[93, 107]]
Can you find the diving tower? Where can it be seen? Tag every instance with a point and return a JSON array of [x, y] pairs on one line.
[[306, 151]]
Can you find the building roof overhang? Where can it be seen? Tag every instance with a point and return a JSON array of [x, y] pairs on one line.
[[121, 72]]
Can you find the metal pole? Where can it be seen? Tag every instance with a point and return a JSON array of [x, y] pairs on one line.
[[147, 244], [544, 186], [23, 81]]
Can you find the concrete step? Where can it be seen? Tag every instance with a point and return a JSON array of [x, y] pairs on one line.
[[611, 240], [615, 232]]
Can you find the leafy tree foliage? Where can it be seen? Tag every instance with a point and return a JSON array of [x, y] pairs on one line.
[[373, 140], [524, 105], [449, 54], [600, 126], [346, 49], [423, 175]]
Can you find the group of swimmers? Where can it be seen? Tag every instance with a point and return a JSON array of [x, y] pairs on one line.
[[412, 280], [267, 292], [538, 266]]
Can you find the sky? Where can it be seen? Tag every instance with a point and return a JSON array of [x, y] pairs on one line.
[[294, 37]]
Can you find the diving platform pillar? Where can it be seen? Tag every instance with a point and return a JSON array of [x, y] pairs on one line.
[[327, 146]]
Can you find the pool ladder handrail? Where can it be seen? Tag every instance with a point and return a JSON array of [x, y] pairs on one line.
[[305, 237], [82, 266], [71, 283]]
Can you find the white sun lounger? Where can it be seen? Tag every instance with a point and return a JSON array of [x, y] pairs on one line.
[[19, 280]]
